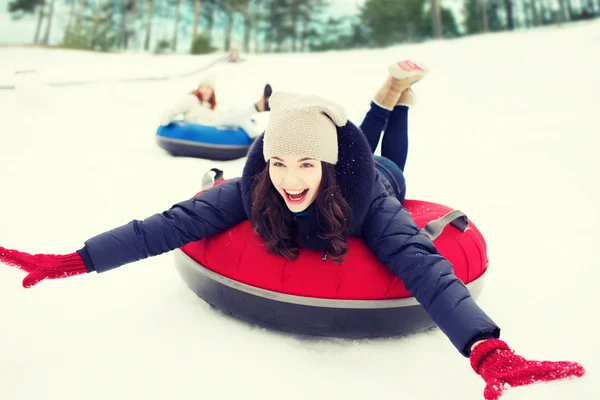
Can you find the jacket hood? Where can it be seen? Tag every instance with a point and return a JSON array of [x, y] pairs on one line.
[[354, 171]]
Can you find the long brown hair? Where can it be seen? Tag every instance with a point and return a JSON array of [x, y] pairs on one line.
[[212, 101], [274, 222]]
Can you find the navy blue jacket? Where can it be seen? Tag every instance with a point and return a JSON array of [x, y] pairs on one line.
[[380, 219]]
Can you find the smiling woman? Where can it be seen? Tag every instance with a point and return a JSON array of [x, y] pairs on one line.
[[297, 179], [300, 185]]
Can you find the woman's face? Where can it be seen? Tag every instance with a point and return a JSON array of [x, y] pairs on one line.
[[297, 180], [206, 91]]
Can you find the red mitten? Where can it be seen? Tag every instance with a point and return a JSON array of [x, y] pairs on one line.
[[43, 266], [499, 366]]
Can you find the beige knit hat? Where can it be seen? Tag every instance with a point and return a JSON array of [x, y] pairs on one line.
[[210, 80], [303, 125]]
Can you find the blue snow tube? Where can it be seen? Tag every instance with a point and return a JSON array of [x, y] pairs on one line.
[[185, 139]]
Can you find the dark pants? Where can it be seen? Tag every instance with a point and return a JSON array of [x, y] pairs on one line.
[[394, 148]]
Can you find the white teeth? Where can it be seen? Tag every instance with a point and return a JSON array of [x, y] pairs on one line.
[[294, 192]]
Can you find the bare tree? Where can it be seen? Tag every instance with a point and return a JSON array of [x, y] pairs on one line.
[[46, 38], [97, 18], [128, 10], [133, 25], [590, 6], [257, 16], [309, 11], [124, 8], [436, 19], [197, 4], [149, 25], [527, 18], [176, 29], [71, 15], [80, 13], [564, 11], [230, 8], [244, 10], [305, 32], [543, 8], [510, 20], [294, 16], [484, 16], [306, 28], [534, 13], [208, 13], [38, 27]]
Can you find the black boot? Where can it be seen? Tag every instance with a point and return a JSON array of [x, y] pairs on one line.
[[263, 104], [268, 91]]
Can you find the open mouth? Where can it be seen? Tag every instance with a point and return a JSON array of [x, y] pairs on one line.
[[295, 196]]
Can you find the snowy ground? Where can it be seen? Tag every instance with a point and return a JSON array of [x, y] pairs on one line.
[[505, 129]]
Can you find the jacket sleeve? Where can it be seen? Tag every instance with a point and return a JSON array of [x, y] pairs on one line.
[[390, 232], [213, 211], [180, 108]]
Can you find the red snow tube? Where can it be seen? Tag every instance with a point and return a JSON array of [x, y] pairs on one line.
[[360, 298], [239, 254]]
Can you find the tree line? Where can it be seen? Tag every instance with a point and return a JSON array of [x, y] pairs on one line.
[[279, 25]]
